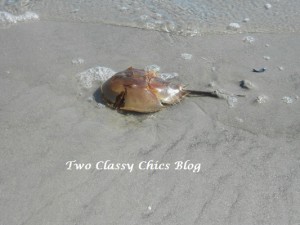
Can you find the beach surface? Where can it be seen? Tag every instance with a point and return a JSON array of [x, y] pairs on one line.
[[248, 147]]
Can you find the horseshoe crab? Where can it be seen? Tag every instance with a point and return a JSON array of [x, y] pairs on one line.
[[143, 91]]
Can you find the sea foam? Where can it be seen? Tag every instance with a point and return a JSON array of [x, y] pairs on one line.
[[7, 18], [99, 73]]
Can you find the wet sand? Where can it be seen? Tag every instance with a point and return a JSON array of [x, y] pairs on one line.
[[249, 153]]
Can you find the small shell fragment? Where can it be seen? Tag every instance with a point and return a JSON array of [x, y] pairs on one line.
[[261, 99], [232, 101], [234, 26], [78, 61], [186, 56], [259, 70], [246, 84], [268, 6], [249, 39], [212, 84]]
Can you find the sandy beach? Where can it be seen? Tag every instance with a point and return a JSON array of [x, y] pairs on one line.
[[248, 147]]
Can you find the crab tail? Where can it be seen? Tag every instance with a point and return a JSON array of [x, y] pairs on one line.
[[202, 93]]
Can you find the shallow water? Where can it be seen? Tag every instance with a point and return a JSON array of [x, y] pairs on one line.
[[183, 17]]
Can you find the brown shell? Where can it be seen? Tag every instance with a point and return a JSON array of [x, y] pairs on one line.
[[140, 91]]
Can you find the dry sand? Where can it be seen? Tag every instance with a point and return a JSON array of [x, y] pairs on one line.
[[249, 153]]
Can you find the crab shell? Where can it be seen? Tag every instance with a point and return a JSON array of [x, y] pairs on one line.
[[140, 91]]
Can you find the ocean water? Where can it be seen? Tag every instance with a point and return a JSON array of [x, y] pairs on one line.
[[181, 17]]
